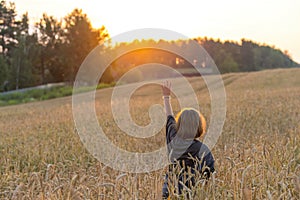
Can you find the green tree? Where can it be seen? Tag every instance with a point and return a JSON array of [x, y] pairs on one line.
[[21, 59], [229, 65], [247, 56], [81, 38], [49, 49], [8, 27], [3, 72]]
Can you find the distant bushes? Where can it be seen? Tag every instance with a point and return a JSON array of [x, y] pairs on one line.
[[44, 94]]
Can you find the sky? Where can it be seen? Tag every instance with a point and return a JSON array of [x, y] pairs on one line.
[[274, 22]]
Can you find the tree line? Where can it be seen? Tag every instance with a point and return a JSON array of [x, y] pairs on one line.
[[228, 56], [246, 55], [53, 50]]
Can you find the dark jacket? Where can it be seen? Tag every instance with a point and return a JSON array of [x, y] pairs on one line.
[[191, 154], [187, 151]]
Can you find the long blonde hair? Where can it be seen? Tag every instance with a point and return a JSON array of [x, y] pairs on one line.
[[190, 123]]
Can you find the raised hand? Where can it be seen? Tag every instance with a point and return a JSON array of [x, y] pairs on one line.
[[166, 88]]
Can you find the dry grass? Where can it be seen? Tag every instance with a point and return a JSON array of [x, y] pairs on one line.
[[257, 156]]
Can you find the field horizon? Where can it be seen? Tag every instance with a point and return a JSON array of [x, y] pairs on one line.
[[257, 155]]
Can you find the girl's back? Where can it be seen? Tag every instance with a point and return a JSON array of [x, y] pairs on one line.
[[188, 156]]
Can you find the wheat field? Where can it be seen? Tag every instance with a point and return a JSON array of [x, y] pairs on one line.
[[257, 155]]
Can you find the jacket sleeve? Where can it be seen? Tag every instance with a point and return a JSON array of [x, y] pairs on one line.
[[170, 128], [209, 165]]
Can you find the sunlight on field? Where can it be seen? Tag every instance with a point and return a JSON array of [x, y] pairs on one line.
[[257, 156]]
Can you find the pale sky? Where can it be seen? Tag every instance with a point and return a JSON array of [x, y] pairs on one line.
[[274, 22]]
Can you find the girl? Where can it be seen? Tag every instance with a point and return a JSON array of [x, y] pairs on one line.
[[188, 156]]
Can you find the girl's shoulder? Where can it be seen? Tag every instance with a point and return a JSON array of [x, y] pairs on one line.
[[203, 148]]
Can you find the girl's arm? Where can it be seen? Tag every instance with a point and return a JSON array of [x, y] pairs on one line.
[[166, 90]]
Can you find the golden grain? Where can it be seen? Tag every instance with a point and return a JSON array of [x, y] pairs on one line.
[[257, 155]]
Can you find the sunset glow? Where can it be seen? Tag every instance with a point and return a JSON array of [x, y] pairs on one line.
[[271, 22]]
